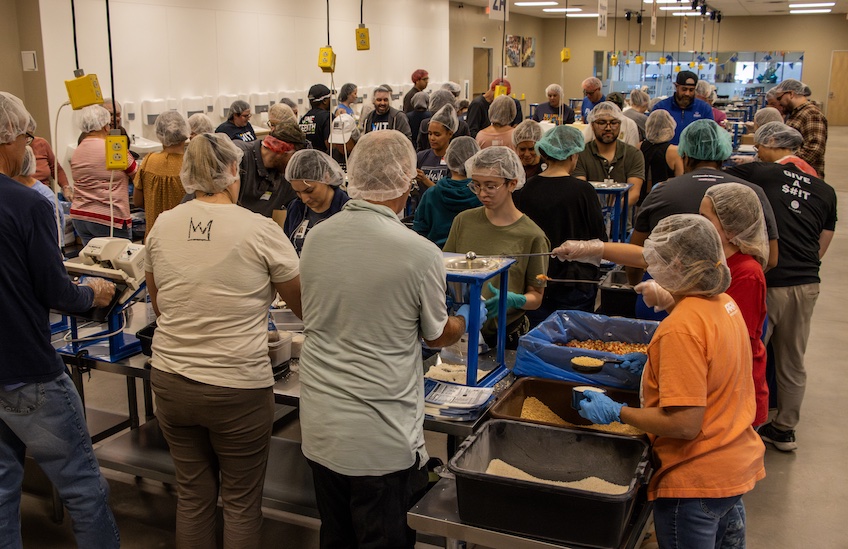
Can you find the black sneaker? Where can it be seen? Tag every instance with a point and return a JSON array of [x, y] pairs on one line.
[[782, 440]]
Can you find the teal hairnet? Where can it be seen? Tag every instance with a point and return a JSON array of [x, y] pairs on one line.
[[561, 142], [705, 140]]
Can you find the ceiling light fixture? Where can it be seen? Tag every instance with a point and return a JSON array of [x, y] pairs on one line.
[[581, 14], [561, 10], [532, 4], [676, 8], [691, 13], [810, 11], [662, 1], [819, 5]]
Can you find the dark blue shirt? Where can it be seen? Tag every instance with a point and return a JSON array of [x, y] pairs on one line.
[[697, 110], [32, 281]]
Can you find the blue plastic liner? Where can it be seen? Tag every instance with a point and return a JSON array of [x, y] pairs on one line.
[[539, 356]]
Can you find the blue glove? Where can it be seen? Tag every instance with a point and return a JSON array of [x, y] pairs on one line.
[[599, 408], [513, 301], [465, 312], [633, 362]]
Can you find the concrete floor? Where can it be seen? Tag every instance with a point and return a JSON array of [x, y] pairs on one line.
[[801, 503]]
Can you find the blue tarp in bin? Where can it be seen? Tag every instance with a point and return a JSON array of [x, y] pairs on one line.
[[539, 356]]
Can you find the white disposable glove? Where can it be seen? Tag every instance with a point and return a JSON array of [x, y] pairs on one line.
[[655, 295], [104, 290], [585, 251]]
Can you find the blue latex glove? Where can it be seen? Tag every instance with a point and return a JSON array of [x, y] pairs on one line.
[[634, 362], [599, 408], [513, 301], [465, 312]]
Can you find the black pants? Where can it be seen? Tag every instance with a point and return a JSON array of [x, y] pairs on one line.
[[514, 331], [367, 512]]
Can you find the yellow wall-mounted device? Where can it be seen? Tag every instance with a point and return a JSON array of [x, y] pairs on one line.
[[565, 55], [84, 90], [327, 59], [363, 40], [500, 90], [117, 153]]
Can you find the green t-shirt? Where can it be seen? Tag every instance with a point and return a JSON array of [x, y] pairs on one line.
[[472, 231]]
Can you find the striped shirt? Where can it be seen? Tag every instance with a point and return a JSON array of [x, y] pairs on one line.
[[91, 186]]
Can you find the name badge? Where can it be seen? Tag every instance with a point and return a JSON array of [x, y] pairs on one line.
[[265, 196]]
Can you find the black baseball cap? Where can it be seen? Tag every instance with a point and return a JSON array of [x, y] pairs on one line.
[[683, 78], [318, 92]]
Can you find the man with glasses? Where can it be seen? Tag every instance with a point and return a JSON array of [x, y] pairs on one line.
[[238, 125], [592, 95], [805, 117], [315, 124], [683, 106], [607, 157]]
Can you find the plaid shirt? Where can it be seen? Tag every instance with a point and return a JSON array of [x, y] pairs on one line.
[[809, 120]]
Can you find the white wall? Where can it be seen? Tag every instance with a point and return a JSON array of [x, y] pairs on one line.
[[170, 49]]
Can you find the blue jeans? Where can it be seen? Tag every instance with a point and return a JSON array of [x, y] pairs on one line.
[[700, 523], [89, 229], [46, 420]]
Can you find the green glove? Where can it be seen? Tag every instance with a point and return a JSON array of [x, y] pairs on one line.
[[513, 301]]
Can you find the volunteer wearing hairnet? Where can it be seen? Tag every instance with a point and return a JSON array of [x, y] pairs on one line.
[[779, 142], [213, 269], [806, 211], [554, 110], [278, 113], [39, 400], [316, 179], [157, 182], [499, 228], [697, 399], [361, 397], [524, 139], [420, 80], [237, 125], [441, 203], [661, 159], [27, 177], [347, 98], [499, 133], [606, 156], [430, 163], [419, 112], [638, 107], [199, 123], [706, 92], [101, 196], [761, 117], [564, 207], [704, 146], [439, 99]]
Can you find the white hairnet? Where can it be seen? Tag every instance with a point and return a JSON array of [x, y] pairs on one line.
[[28, 166], [498, 162], [439, 99], [660, 126], [171, 128], [703, 88], [92, 118], [446, 116], [740, 213], [502, 110], [766, 115], [452, 87], [561, 142], [238, 107], [200, 123], [684, 255], [314, 165], [592, 82], [279, 112], [459, 151], [15, 120], [421, 100], [554, 88], [778, 135], [528, 130], [638, 98], [604, 108], [208, 162], [705, 140], [791, 85], [381, 167]]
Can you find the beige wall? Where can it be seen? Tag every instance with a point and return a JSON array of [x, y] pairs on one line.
[[470, 26], [34, 83], [816, 35], [10, 50]]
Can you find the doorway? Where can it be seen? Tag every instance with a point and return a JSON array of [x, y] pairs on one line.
[[482, 76], [837, 94]]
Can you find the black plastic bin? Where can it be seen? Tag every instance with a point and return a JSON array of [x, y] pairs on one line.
[[618, 298], [145, 336], [554, 513]]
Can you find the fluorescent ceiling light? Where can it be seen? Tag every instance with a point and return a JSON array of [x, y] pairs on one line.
[[819, 5], [536, 3], [692, 13], [581, 14], [561, 10], [663, 1], [676, 8], [810, 11]]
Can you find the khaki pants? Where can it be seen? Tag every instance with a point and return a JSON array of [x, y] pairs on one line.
[[217, 436], [790, 310]]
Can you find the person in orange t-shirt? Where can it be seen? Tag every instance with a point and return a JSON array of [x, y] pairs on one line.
[[697, 393]]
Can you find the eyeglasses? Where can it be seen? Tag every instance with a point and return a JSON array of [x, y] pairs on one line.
[[779, 95], [488, 189], [29, 138], [607, 123], [247, 115], [271, 124], [590, 92]]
